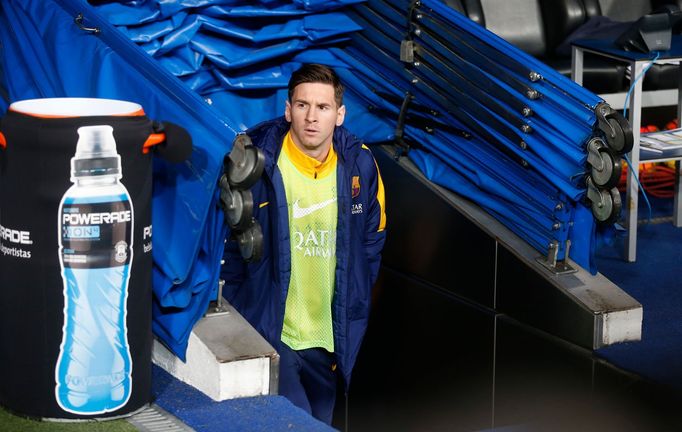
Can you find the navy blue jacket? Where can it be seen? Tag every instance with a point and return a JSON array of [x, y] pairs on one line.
[[258, 290]]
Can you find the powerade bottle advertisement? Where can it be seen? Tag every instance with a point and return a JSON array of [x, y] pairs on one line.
[[93, 372]]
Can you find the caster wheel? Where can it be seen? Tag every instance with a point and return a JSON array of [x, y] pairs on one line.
[[609, 175], [607, 209], [622, 141], [245, 163], [251, 243], [238, 207]]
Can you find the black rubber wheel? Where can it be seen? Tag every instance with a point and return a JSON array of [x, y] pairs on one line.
[[251, 242], [609, 175], [238, 207], [617, 204], [245, 173], [623, 140], [609, 210]]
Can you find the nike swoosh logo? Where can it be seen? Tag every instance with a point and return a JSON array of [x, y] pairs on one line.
[[299, 212]]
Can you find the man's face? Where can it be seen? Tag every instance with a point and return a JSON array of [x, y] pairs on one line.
[[313, 114]]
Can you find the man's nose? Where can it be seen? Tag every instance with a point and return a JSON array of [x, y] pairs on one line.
[[311, 115]]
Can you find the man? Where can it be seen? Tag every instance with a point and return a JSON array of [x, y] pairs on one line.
[[320, 203]]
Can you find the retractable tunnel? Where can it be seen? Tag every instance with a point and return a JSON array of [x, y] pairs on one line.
[[475, 115]]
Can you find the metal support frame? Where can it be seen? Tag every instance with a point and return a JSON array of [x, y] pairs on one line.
[[635, 119], [632, 188]]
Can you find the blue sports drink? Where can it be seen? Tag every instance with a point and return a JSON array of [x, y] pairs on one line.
[[95, 253]]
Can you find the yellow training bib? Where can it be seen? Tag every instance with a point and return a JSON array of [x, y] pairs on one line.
[[311, 195]]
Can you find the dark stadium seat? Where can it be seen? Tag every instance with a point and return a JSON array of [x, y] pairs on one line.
[[539, 27]]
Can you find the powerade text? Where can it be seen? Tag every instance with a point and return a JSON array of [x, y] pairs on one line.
[[96, 218], [15, 236]]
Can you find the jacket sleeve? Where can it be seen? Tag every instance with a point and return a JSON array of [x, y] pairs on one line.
[[375, 226]]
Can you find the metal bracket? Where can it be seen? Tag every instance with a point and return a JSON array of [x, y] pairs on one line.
[[594, 157], [218, 307], [407, 51], [551, 263], [79, 22], [407, 46], [238, 153], [593, 193]]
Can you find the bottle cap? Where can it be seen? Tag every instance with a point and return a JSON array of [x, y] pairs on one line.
[[95, 153]]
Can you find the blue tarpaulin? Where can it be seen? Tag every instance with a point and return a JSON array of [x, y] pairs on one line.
[[471, 110]]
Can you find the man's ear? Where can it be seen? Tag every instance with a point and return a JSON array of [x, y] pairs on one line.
[[287, 111], [340, 115]]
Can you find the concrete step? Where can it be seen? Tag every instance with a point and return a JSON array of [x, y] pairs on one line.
[[226, 358]]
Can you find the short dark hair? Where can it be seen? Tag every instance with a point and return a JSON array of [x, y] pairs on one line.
[[316, 73]]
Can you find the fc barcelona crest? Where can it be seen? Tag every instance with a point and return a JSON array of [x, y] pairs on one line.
[[356, 186]]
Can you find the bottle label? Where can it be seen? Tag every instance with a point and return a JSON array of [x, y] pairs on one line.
[[96, 235], [93, 372]]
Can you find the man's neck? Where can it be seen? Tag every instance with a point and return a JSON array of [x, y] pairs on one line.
[[319, 153]]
